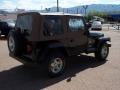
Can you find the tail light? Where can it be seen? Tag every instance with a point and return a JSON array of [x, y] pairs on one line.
[[29, 48]]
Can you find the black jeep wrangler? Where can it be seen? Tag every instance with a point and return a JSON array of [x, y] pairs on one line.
[[50, 37], [6, 26]]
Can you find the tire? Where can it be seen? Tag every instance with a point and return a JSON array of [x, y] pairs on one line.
[[0, 32], [56, 64], [102, 52], [15, 44]]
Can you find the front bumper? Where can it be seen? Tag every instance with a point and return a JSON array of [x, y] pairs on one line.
[[109, 44]]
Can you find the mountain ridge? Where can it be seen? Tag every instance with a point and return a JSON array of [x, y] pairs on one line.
[[91, 8]]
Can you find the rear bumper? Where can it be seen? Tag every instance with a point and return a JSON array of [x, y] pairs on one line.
[[22, 59]]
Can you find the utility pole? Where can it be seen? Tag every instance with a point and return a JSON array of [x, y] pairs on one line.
[[41, 8], [57, 6]]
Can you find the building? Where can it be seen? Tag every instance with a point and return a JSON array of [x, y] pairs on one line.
[[114, 16]]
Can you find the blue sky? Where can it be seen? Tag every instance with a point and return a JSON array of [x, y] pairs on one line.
[[41, 4]]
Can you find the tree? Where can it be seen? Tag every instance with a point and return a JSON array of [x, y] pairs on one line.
[[90, 15]]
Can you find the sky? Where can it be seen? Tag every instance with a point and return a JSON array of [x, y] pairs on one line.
[[41, 4]]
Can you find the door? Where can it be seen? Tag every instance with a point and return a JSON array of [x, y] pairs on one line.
[[76, 36]]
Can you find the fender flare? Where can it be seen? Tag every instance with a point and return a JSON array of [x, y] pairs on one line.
[[51, 47], [58, 46], [103, 40]]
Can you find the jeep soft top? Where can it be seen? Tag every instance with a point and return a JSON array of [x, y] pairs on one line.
[[32, 22]]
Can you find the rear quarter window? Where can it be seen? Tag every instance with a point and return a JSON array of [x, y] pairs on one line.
[[24, 22]]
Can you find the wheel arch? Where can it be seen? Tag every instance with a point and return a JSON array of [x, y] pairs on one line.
[[103, 40], [58, 46], [52, 47]]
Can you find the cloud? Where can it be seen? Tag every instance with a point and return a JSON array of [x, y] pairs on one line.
[[7, 4], [41, 4], [116, 2], [38, 4], [68, 3]]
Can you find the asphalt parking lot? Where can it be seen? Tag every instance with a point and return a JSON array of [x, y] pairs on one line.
[[83, 72]]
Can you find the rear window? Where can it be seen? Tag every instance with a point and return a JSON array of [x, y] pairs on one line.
[[24, 22]]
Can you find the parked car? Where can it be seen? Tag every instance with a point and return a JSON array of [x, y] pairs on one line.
[[50, 37], [6, 26], [96, 18], [96, 25]]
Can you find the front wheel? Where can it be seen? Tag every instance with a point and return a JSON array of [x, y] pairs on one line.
[[102, 52], [56, 64]]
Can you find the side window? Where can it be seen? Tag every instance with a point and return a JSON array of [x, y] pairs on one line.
[[52, 26], [76, 24]]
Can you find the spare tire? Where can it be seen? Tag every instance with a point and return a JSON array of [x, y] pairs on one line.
[[15, 43]]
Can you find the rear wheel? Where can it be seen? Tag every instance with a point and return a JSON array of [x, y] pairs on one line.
[[56, 64], [0, 33], [102, 52]]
